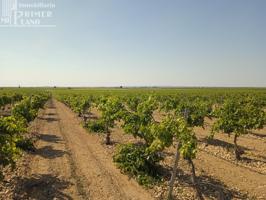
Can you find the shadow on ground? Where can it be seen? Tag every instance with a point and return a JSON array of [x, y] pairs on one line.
[[49, 152], [41, 187], [221, 143], [209, 186], [50, 106], [51, 114], [258, 135], [50, 138], [245, 158], [49, 119], [250, 160]]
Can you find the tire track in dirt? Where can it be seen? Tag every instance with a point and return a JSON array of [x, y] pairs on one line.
[[49, 175], [73, 170]]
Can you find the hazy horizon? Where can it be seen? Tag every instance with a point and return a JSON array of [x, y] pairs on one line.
[[124, 86], [109, 43]]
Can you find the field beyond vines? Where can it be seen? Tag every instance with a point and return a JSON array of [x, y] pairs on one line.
[[133, 143]]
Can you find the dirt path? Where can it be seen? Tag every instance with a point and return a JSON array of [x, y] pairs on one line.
[[72, 164]]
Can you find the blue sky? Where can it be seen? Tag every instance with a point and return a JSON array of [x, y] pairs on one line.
[[140, 43]]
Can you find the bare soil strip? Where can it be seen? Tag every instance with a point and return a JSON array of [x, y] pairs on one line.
[[71, 164]]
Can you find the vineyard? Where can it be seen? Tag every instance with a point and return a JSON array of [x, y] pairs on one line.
[[138, 143]]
